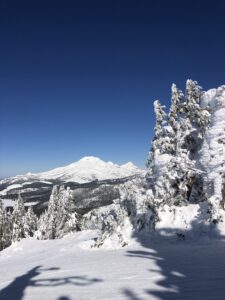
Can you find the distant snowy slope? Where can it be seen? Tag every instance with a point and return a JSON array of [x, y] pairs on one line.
[[91, 168], [37, 186], [87, 169]]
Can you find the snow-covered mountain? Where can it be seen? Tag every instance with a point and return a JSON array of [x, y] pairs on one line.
[[90, 168], [87, 171]]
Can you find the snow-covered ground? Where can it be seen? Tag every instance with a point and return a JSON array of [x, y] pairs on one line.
[[11, 203], [68, 269]]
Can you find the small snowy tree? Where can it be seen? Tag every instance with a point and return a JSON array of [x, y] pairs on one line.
[[175, 107], [5, 228], [174, 118], [2, 223], [199, 117], [52, 213], [68, 219], [42, 227], [18, 220], [30, 222], [118, 221], [157, 141]]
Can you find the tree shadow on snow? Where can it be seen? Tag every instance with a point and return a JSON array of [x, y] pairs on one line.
[[16, 289], [184, 268]]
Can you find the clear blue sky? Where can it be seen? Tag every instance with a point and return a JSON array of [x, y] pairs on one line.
[[79, 77]]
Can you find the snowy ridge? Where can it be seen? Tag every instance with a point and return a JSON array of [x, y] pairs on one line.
[[87, 169], [90, 168]]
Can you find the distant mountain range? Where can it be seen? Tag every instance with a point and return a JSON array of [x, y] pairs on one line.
[[89, 172]]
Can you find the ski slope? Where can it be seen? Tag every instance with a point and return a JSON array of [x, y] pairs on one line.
[[68, 269]]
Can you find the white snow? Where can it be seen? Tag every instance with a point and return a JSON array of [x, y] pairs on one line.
[[8, 202], [212, 154], [68, 269], [11, 187], [91, 168], [87, 169], [11, 203], [192, 221]]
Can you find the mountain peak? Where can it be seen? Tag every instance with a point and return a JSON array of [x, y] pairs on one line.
[[90, 158], [129, 165]]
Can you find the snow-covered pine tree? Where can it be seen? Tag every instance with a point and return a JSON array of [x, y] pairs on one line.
[[8, 228], [158, 139], [5, 228], [52, 213], [172, 171], [42, 226], [198, 116], [30, 222], [118, 221], [2, 223], [175, 107], [60, 217], [196, 119], [163, 147], [18, 216], [68, 219], [174, 117]]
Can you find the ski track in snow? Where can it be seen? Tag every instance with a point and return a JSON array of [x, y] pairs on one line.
[[67, 269]]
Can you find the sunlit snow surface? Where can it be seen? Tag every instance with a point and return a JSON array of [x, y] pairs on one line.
[[69, 269], [87, 169]]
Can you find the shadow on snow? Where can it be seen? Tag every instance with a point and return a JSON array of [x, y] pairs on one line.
[[16, 289], [186, 270]]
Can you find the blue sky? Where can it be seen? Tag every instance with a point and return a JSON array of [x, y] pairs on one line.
[[79, 78]]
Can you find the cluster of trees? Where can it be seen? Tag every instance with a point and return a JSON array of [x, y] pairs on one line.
[[16, 225], [173, 175], [59, 219]]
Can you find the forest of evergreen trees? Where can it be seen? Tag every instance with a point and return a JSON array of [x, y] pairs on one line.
[[55, 222]]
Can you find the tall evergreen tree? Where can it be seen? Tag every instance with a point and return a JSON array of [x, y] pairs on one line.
[[52, 213], [157, 141], [5, 228], [68, 219], [171, 166], [30, 222], [199, 117], [18, 217], [174, 117], [2, 226], [42, 226]]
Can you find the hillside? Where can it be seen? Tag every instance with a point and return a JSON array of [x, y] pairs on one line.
[[87, 173]]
